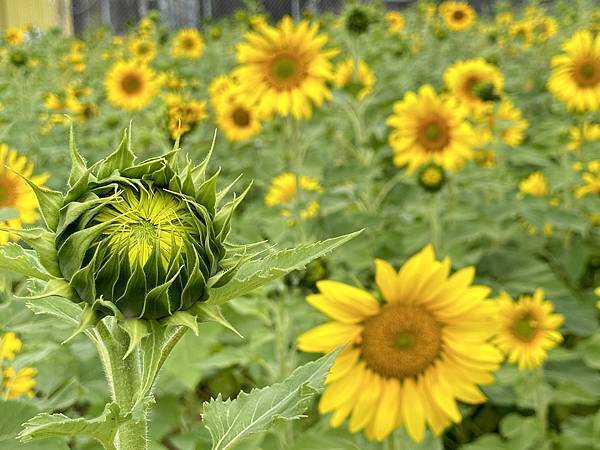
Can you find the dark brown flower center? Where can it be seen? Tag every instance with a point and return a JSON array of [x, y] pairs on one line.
[[458, 15], [7, 193], [401, 341], [587, 73], [241, 117], [132, 83], [434, 135]]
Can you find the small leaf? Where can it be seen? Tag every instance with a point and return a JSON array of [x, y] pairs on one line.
[[88, 319], [212, 313], [56, 287], [136, 330], [232, 420], [258, 272], [102, 428], [49, 202], [122, 158], [78, 167], [42, 241], [58, 307], [182, 319]]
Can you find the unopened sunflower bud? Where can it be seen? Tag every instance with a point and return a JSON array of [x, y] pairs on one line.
[[358, 20], [431, 177]]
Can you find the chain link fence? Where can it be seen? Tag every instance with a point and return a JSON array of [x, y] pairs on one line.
[[118, 14]]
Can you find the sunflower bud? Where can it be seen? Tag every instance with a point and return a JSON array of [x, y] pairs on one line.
[[358, 20], [431, 177], [139, 240]]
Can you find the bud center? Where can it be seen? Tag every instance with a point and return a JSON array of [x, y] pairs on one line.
[[525, 328], [284, 68]]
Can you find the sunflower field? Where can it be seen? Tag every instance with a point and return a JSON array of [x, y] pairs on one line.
[[375, 229]]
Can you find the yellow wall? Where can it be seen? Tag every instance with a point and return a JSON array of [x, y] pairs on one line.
[[39, 13]]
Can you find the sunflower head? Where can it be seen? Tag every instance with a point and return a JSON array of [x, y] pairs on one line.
[[431, 177], [18, 57], [457, 15], [358, 20], [138, 239]]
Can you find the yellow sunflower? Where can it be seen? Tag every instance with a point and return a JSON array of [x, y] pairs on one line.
[[588, 132], [287, 189], [575, 77], [508, 121], [182, 115], [18, 383], [428, 127], [142, 49], [188, 44], [131, 85], [238, 119], [522, 32], [535, 185], [360, 80], [395, 21], [10, 345], [545, 28], [458, 16], [591, 184], [15, 193], [284, 68], [469, 80], [14, 35], [219, 86], [409, 359], [528, 328]]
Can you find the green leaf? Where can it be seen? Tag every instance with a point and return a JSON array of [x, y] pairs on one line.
[[589, 350], [49, 201], [42, 241], [212, 313], [136, 330], [58, 307], [233, 420], [258, 272], [102, 428], [15, 258]]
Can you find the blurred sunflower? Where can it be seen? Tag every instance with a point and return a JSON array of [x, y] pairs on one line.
[[575, 77], [535, 185], [15, 193], [146, 26], [187, 44], [587, 132], [238, 119], [14, 35], [508, 121], [528, 328], [458, 16], [359, 80], [131, 85], [428, 127], [474, 82], [284, 68], [395, 21], [10, 345], [142, 49], [591, 184], [410, 359], [522, 32], [18, 383], [545, 28], [219, 86], [182, 115], [284, 192]]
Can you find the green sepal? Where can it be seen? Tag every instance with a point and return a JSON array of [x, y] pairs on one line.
[[183, 319], [136, 330], [223, 192], [49, 202], [199, 172], [160, 294], [83, 280], [120, 159], [212, 313], [78, 166], [73, 249], [77, 190], [207, 193], [89, 318], [42, 241], [222, 222]]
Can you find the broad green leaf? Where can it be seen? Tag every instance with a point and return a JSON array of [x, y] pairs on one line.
[[258, 272], [15, 258], [230, 421], [58, 307], [590, 351], [102, 428]]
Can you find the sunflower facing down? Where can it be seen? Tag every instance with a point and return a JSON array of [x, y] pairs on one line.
[[358, 80], [131, 85], [284, 68], [466, 80], [14, 191], [458, 16], [575, 77], [528, 329], [188, 44], [428, 127], [409, 359]]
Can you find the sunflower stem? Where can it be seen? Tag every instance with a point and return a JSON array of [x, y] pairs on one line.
[[434, 222], [541, 402]]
